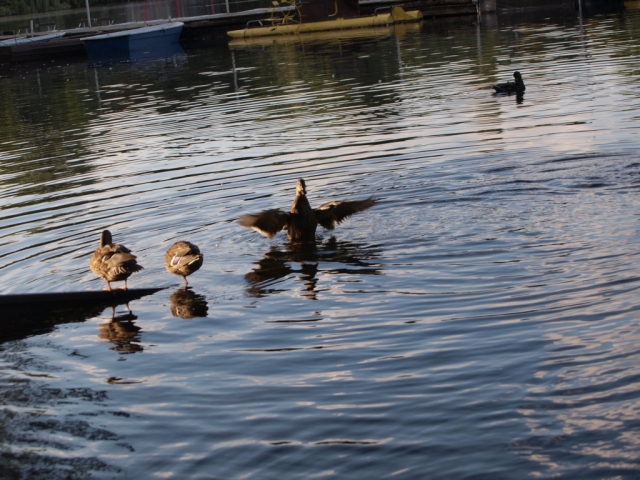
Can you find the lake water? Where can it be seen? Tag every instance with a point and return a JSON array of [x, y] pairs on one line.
[[481, 321]]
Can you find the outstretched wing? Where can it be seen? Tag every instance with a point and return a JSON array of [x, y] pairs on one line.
[[267, 222], [331, 214]]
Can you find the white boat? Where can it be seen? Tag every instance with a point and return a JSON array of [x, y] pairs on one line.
[[35, 38]]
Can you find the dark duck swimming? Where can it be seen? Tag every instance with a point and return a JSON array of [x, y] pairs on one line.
[[511, 87], [301, 222]]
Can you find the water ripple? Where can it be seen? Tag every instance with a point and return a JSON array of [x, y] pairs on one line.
[[485, 307]]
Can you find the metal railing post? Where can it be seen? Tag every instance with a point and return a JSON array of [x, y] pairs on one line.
[[88, 14]]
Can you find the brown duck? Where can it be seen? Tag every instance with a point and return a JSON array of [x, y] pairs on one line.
[[113, 262], [183, 258], [302, 220]]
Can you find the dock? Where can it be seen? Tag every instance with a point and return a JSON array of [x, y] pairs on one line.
[[429, 8], [71, 44]]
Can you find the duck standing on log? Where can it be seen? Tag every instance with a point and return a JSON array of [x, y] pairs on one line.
[[183, 258], [113, 262], [302, 220], [516, 87]]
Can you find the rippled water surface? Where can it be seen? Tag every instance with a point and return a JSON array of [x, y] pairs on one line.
[[480, 321]]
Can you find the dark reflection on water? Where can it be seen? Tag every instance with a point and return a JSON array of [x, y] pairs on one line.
[[48, 435], [275, 264], [122, 332], [519, 97], [481, 322], [168, 53], [187, 304]]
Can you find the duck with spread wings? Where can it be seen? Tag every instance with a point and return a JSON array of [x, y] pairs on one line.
[[301, 222]]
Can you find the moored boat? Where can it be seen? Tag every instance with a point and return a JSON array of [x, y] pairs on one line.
[[39, 46], [22, 40], [138, 39], [314, 16], [352, 33]]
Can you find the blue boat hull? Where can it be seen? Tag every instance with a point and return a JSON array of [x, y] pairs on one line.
[[146, 39]]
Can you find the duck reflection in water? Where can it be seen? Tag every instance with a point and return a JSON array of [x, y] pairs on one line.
[[275, 265], [187, 304], [122, 332]]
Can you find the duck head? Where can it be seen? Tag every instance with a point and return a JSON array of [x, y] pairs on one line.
[[105, 238], [301, 187]]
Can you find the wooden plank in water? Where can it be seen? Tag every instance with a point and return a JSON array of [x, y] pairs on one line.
[[118, 296], [22, 315]]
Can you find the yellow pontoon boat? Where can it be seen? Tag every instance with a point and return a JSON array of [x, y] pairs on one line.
[[313, 16]]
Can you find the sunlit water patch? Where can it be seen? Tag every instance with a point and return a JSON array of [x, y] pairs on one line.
[[478, 321]]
